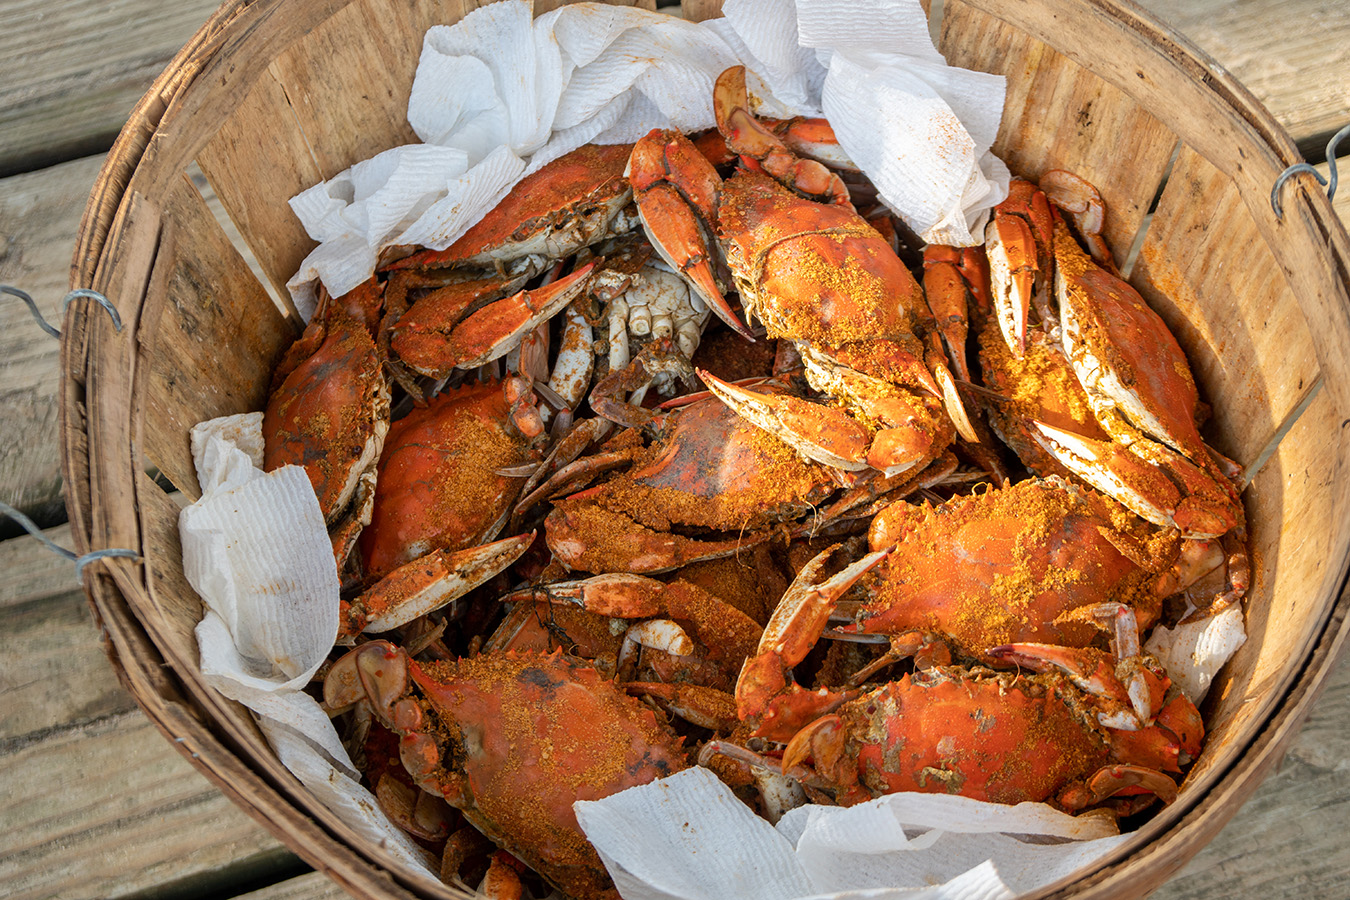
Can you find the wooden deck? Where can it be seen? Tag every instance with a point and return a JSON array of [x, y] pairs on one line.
[[95, 803]]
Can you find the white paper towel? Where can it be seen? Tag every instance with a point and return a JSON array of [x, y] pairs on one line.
[[688, 837], [499, 94], [256, 549]]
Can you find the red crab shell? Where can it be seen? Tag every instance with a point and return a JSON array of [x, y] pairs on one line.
[[1017, 564], [997, 737], [438, 481], [999, 740], [514, 740], [330, 410], [554, 211], [711, 470]]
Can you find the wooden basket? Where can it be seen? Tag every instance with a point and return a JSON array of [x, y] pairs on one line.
[[273, 95]]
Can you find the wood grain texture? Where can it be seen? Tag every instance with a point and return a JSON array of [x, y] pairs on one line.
[[126, 816], [212, 336], [74, 69], [1285, 843], [1288, 54], [32, 573], [1059, 115], [313, 886], [54, 674]]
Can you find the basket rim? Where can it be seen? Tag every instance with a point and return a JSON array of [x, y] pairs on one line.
[[109, 593]]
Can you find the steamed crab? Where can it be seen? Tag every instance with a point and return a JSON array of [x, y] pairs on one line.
[[485, 732], [441, 503], [1024, 562], [812, 272], [710, 486], [1092, 726], [1132, 373], [673, 642], [328, 411], [468, 304]]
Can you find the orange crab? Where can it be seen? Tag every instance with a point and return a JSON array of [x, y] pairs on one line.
[[466, 323], [812, 272], [1022, 562], [328, 411], [981, 734], [1132, 374], [573, 201], [439, 487], [1094, 725], [710, 486], [487, 732]]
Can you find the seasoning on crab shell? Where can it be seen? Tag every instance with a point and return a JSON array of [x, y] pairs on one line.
[[438, 481], [1020, 563], [710, 471], [1000, 740], [514, 740]]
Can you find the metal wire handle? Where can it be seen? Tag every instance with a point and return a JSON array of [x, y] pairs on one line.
[[1329, 183], [80, 561], [28, 524], [73, 295]]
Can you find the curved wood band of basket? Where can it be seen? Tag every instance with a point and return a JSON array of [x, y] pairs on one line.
[[272, 96]]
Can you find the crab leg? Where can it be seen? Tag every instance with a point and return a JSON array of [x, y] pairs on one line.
[[947, 290], [1145, 487], [748, 137], [1017, 241], [426, 584], [763, 691], [492, 331]]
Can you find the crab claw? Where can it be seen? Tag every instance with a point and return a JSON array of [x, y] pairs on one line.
[[1012, 270], [1128, 693], [1114, 471], [948, 292], [1083, 202], [748, 137], [594, 539], [823, 742], [499, 327], [426, 584], [1200, 508], [699, 705], [828, 435], [763, 690], [676, 192]]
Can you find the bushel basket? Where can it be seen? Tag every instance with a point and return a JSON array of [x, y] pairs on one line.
[[272, 96]]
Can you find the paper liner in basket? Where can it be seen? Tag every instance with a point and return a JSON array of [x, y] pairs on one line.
[[500, 93]]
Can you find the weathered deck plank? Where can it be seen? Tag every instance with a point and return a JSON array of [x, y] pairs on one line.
[[1288, 54], [74, 69], [109, 809]]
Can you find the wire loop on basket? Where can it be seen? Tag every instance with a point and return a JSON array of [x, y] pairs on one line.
[[73, 295], [80, 561], [1329, 183]]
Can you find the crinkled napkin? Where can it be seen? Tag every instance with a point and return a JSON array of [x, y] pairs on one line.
[[497, 95], [500, 93]]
